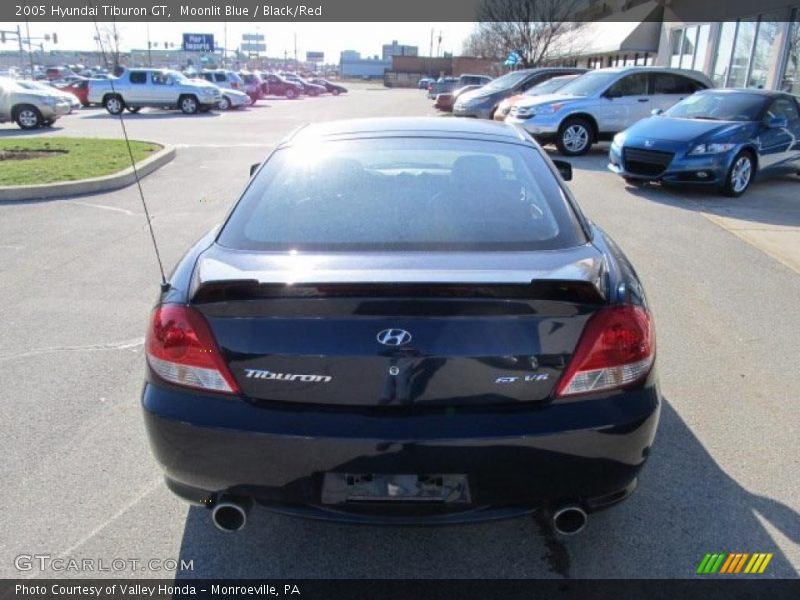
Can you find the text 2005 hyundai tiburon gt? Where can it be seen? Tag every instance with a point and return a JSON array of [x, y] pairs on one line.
[[403, 321]]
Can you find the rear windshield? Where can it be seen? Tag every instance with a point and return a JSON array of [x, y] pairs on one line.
[[403, 194]]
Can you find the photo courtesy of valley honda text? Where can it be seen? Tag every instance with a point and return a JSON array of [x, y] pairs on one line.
[[357, 298]]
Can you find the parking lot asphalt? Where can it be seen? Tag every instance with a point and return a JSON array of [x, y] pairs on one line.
[[79, 278]]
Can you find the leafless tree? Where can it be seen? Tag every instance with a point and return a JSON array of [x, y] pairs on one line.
[[535, 29], [108, 38]]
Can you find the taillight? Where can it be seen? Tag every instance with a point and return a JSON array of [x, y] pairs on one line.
[[616, 349], [181, 349]]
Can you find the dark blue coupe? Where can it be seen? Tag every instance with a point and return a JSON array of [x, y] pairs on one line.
[[720, 138]]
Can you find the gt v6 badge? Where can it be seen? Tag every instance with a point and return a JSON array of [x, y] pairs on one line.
[[260, 374], [524, 379]]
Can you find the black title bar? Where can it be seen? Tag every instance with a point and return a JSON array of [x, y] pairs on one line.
[[394, 589], [261, 11]]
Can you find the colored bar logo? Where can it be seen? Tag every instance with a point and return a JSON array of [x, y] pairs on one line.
[[734, 563]]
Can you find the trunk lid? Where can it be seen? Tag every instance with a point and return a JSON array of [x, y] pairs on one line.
[[398, 329]]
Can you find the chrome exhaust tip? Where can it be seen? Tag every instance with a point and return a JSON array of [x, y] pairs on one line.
[[229, 514], [569, 520]]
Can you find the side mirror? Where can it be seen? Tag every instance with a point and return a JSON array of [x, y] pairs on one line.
[[657, 112], [778, 123], [254, 168], [564, 168]]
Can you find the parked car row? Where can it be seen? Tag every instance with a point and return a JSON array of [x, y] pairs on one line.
[[445, 85], [665, 124], [219, 88]]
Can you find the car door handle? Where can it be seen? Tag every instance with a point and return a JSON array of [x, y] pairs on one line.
[[644, 100]]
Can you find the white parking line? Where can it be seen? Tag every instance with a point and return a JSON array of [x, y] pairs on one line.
[[123, 345], [104, 207]]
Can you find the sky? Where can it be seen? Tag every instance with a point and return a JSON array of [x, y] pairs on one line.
[[330, 38]]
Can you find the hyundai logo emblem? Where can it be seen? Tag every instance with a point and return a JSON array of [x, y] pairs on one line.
[[394, 337]]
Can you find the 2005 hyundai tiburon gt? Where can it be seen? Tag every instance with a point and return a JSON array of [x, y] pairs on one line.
[[403, 320]]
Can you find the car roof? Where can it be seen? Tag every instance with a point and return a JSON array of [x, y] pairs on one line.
[[754, 91], [395, 126], [652, 69]]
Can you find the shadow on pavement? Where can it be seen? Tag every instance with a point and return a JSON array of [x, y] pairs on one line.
[[147, 115], [17, 132], [594, 160], [685, 507], [771, 200]]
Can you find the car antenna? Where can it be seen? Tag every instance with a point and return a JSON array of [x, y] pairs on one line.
[[164, 284]]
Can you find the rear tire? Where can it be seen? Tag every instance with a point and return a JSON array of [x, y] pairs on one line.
[[740, 175], [188, 105], [28, 117], [574, 137], [114, 104], [291, 93], [335, 92]]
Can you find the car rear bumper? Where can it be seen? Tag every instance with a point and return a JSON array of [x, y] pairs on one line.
[[587, 451]]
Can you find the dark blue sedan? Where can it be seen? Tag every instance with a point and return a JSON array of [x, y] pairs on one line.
[[719, 138]]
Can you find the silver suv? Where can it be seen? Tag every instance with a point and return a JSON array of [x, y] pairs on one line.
[[30, 108], [601, 103]]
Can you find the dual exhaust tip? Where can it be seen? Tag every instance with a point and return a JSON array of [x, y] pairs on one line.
[[230, 514], [569, 520]]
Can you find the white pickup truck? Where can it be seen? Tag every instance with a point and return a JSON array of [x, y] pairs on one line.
[[157, 88]]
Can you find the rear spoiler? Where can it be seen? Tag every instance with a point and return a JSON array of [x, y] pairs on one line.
[[581, 292]]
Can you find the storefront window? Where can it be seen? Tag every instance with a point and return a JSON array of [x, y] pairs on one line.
[[689, 47], [676, 43], [766, 51], [745, 35], [791, 72], [701, 48], [724, 48]]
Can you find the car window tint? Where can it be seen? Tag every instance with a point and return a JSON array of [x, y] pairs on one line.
[[783, 107], [404, 194], [670, 83], [138, 77], [160, 78], [631, 85], [720, 106]]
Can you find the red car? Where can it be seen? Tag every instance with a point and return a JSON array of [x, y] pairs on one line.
[[79, 89], [279, 86]]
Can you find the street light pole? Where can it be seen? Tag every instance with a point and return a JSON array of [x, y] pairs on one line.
[[21, 51], [149, 55], [30, 47]]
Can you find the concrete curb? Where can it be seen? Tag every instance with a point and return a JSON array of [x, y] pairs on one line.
[[94, 185]]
